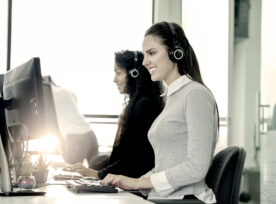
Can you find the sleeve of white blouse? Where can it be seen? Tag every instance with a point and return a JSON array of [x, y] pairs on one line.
[[161, 184], [200, 115]]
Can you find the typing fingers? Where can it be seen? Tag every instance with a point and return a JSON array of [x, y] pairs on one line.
[[108, 180], [120, 181], [74, 167]]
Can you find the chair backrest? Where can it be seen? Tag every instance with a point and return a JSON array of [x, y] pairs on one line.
[[224, 174]]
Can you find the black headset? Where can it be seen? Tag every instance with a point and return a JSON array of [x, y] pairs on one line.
[[177, 52], [134, 72]]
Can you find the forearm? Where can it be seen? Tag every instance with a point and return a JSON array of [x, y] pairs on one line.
[[143, 183], [96, 175], [89, 172]]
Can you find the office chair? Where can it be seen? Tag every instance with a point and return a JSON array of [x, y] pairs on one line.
[[223, 177]]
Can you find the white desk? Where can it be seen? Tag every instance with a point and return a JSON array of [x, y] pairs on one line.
[[58, 194]]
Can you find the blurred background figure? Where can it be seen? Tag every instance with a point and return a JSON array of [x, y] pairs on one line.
[[80, 141]]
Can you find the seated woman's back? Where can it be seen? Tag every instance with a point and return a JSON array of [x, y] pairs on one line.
[[132, 153]]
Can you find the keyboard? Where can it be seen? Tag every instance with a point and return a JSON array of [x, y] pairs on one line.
[[82, 186], [61, 177]]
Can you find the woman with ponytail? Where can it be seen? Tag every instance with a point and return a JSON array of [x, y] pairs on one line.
[[184, 135]]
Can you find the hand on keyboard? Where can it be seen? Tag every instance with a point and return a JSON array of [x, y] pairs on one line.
[[81, 169]]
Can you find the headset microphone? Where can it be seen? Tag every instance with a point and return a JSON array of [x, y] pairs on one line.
[[176, 53], [134, 72]]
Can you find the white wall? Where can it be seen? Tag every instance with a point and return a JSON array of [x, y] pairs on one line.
[[244, 82], [167, 10]]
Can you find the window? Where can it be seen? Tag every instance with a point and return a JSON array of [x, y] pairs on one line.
[[76, 41], [3, 35]]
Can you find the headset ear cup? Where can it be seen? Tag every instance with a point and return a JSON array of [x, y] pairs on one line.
[[176, 54], [134, 73], [170, 53]]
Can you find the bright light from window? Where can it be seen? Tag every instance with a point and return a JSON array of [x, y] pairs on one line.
[[211, 18], [3, 35], [76, 41], [46, 144], [268, 58]]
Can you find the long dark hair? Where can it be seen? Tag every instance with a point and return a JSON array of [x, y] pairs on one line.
[[188, 65], [136, 87]]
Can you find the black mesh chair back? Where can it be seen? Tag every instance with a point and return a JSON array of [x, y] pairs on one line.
[[224, 175]]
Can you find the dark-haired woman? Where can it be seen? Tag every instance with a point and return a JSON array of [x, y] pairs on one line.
[[132, 154], [184, 135]]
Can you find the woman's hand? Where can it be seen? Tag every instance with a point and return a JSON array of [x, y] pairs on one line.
[[81, 169], [127, 183]]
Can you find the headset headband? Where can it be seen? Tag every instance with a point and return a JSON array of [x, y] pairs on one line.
[[176, 53], [135, 58], [173, 34]]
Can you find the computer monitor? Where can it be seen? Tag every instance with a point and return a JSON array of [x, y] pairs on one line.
[[51, 127], [27, 112], [22, 86]]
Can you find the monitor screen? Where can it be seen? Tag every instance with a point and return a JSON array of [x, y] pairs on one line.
[[22, 86], [27, 112]]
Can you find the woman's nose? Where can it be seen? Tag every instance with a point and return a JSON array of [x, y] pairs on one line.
[[145, 62]]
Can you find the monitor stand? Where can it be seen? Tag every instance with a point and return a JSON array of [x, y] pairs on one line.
[[5, 177]]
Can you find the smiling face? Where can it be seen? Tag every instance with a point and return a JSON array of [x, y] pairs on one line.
[[157, 61], [120, 78]]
